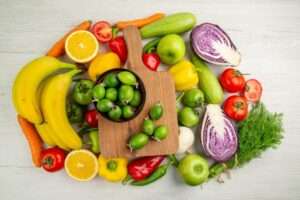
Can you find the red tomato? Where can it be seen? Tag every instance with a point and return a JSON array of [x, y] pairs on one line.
[[253, 90], [53, 159], [236, 107], [102, 30], [232, 80], [91, 118]]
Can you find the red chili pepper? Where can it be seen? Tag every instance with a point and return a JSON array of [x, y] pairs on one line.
[[91, 118], [141, 168], [151, 60], [118, 46], [53, 159]]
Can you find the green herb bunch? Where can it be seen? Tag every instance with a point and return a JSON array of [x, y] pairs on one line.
[[260, 131]]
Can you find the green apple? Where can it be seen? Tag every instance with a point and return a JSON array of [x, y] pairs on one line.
[[193, 169], [171, 49]]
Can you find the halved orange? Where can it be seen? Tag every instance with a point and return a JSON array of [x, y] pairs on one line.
[[81, 165], [81, 46]]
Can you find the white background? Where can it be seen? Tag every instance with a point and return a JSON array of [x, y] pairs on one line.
[[267, 33]]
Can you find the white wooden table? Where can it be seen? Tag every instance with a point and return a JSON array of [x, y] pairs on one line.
[[267, 32]]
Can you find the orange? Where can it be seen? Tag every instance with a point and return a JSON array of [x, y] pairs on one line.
[[81, 165], [81, 46]]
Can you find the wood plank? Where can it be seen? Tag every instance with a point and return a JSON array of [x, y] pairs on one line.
[[159, 87]]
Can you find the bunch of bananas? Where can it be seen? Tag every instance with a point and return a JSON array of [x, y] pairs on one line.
[[39, 95]]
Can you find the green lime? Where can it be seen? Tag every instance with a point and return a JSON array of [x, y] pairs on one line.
[[127, 78], [156, 111], [125, 94], [111, 94], [127, 111], [160, 133], [111, 80], [148, 127], [104, 105], [99, 91], [138, 141], [137, 98], [115, 113]]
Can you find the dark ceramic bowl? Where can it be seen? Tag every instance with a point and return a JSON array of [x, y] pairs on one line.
[[141, 88]]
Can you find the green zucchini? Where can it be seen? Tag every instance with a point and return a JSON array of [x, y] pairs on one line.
[[208, 82], [175, 23]]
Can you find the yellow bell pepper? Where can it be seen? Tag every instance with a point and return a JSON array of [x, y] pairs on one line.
[[102, 63], [113, 169], [184, 75]]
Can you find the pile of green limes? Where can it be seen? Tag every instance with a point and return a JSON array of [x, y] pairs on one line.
[[118, 95], [158, 133]]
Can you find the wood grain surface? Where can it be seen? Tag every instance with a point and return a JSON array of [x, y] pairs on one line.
[[266, 32], [159, 87]]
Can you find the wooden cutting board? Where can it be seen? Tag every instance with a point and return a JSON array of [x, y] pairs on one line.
[[159, 87]]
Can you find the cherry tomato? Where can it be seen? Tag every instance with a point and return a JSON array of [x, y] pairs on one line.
[[236, 107], [253, 90], [232, 80], [53, 159], [103, 31], [91, 118]]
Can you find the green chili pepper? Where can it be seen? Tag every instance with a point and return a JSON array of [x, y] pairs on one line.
[[151, 46], [219, 168], [94, 139], [216, 170], [157, 174], [173, 160]]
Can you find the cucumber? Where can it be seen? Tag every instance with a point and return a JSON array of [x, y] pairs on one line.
[[208, 82], [175, 23]]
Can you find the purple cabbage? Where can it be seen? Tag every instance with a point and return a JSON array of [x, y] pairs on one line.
[[218, 135], [213, 45]]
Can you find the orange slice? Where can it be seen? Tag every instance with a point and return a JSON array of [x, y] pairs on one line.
[[81, 46], [81, 165]]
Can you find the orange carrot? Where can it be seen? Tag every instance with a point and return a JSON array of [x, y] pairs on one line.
[[58, 49], [140, 22], [33, 139]]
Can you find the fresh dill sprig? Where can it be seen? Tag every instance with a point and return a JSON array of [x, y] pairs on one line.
[[261, 130]]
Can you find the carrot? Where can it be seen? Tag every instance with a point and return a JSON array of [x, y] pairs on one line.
[[140, 22], [33, 139], [58, 49]]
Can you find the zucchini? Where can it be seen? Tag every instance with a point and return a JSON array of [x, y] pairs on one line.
[[175, 23], [208, 82]]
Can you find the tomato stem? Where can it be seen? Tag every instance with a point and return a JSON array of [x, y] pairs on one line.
[[114, 31]]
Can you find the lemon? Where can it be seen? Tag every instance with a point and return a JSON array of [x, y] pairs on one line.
[[81, 46], [81, 165], [102, 63]]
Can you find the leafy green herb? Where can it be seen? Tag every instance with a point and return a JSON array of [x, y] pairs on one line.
[[260, 131]]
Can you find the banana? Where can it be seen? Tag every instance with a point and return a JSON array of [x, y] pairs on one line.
[[45, 130], [46, 137], [47, 133], [27, 82], [53, 106]]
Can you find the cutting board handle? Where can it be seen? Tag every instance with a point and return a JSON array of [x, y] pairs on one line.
[[134, 47]]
